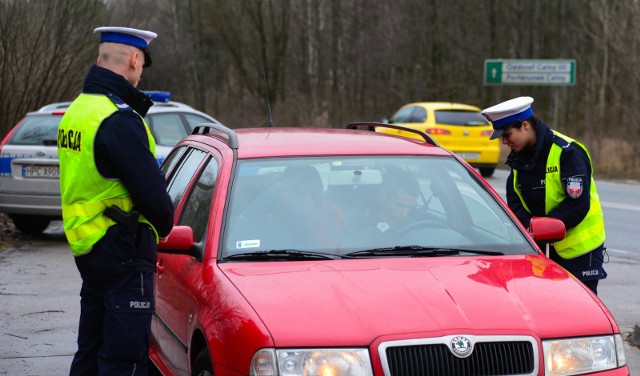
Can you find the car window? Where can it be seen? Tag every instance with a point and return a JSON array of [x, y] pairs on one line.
[[194, 120], [403, 115], [36, 130], [167, 129], [196, 208], [179, 180], [419, 115], [341, 204], [171, 160], [449, 117]]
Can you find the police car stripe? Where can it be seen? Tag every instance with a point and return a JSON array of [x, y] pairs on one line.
[[5, 165], [5, 161]]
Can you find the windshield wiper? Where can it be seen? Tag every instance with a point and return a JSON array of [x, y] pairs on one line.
[[281, 254], [419, 251]]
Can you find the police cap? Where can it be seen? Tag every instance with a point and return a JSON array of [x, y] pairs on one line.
[[126, 35], [507, 114]]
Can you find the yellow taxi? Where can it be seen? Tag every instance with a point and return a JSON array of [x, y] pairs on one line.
[[457, 127]]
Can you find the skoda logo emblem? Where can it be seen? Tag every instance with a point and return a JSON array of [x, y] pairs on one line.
[[466, 133], [461, 347]]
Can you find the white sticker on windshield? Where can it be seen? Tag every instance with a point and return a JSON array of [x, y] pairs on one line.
[[248, 244]]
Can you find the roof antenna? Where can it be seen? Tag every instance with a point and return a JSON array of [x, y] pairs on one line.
[[266, 93]]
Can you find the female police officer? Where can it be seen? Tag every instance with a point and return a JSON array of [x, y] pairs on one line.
[[552, 176]]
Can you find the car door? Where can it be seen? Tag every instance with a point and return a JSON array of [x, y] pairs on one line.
[[191, 187]]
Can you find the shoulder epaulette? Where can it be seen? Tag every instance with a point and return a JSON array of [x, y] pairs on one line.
[[122, 105], [560, 141]]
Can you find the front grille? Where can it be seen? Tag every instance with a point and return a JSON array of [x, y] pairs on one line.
[[491, 356]]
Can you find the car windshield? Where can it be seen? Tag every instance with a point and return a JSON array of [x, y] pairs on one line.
[[364, 206], [37, 130], [460, 118]]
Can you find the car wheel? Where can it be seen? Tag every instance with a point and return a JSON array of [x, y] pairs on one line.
[[486, 172], [30, 224], [202, 365]]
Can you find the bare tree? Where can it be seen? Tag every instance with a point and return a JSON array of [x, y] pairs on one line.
[[255, 35], [43, 53]]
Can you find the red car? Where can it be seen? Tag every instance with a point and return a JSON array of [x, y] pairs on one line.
[[347, 252]]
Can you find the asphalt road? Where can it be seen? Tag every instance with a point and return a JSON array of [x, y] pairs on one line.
[[39, 304]]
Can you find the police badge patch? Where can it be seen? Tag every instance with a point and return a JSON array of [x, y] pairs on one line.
[[574, 187]]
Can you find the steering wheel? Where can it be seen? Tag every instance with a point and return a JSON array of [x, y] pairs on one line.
[[421, 224]]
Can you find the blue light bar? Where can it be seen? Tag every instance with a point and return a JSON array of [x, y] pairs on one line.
[[159, 96]]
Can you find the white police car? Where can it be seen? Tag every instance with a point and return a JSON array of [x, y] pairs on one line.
[[29, 170]]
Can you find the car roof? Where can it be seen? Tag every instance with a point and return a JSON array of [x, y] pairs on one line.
[[52, 107], [274, 142], [168, 106], [445, 106], [172, 106]]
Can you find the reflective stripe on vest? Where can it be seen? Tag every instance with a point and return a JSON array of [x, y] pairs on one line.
[[84, 191], [98, 222], [588, 234]]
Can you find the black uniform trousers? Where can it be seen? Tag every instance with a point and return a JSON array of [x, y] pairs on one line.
[[588, 268], [117, 303]]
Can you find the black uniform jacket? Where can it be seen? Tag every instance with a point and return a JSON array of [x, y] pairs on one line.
[[122, 149], [531, 164]]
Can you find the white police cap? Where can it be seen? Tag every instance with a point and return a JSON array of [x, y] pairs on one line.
[[126, 35], [507, 114]]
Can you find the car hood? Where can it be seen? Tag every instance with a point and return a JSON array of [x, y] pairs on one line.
[[353, 302]]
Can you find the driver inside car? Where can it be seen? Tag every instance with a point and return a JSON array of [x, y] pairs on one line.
[[398, 196]]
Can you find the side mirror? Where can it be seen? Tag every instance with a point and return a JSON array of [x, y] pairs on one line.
[[547, 230], [179, 241]]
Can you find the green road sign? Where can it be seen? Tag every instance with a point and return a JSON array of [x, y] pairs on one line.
[[529, 72]]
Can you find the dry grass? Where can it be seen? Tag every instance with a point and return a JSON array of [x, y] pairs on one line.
[[616, 159]]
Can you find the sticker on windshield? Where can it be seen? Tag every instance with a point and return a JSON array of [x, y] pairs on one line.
[[242, 244]]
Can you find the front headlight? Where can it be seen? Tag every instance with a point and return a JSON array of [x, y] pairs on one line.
[[311, 362], [576, 356]]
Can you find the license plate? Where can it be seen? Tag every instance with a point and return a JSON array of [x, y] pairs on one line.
[[39, 171], [469, 156]]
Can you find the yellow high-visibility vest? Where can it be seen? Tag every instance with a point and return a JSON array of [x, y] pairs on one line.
[[588, 234], [85, 192]]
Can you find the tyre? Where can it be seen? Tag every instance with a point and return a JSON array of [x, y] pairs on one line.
[[202, 365], [32, 225], [486, 172]]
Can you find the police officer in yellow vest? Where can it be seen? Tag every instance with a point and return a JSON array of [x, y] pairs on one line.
[[552, 176], [114, 206]]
